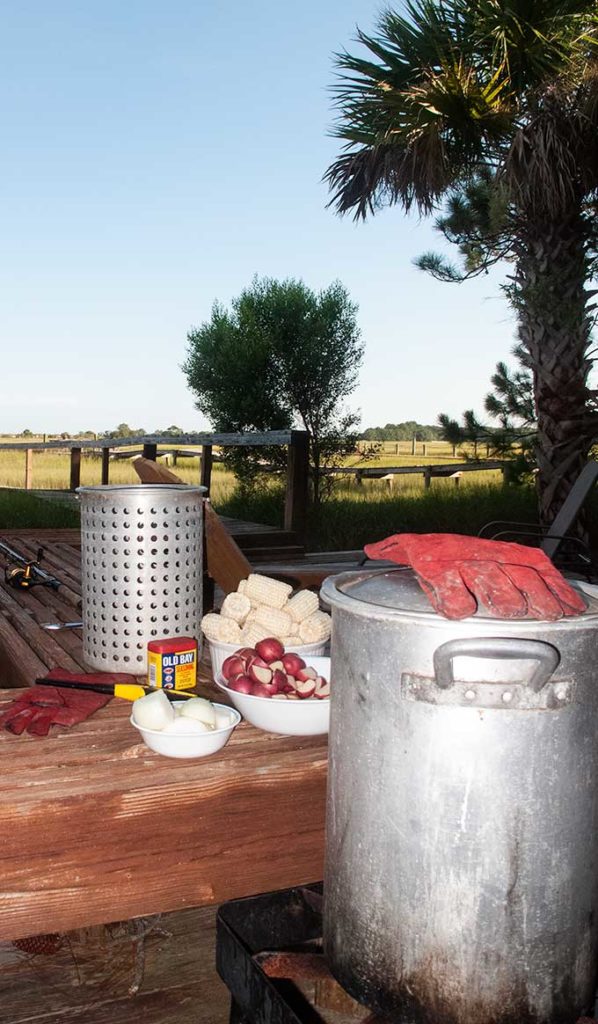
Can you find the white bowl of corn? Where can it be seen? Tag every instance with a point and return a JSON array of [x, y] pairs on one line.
[[262, 607]]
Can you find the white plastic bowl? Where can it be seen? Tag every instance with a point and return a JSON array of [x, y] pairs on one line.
[[192, 744], [220, 652], [309, 717]]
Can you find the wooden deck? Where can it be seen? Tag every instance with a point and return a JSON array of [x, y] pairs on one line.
[[96, 829]]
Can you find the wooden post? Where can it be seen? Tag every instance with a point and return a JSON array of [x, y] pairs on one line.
[[359, 477], [295, 505], [150, 451], [205, 469], [413, 445], [397, 448], [427, 479], [75, 468], [28, 468], [454, 451], [424, 448], [105, 466]]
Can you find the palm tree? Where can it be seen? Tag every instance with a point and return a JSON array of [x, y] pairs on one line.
[[505, 92]]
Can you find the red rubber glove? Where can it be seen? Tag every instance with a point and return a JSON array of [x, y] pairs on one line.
[[40, 707], [456, 572]]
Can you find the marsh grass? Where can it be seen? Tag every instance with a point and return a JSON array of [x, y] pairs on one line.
[[351, 517]]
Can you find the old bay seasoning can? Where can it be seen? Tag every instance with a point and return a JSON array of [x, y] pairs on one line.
[[172, 663]]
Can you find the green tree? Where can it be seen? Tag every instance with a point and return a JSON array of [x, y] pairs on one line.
[[124, 430], [282, 356], [502, 99]]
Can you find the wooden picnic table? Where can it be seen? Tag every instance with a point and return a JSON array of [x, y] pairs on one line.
[[98, 828]]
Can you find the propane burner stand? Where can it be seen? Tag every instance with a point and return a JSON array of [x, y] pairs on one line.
[[269, 955]]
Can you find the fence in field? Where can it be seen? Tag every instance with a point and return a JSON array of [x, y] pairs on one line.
[[453, 471], [426, 448]]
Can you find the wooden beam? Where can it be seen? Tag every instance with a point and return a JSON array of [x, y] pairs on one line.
[[28, 469], [295, 506], [205, 473], [105, 466], [75, 468]]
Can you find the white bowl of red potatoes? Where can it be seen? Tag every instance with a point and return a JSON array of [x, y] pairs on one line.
[[277, 690]]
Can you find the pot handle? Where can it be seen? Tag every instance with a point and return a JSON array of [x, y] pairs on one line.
[[544, 654]]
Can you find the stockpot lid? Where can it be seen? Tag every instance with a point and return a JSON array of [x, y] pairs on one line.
[[398, 591]]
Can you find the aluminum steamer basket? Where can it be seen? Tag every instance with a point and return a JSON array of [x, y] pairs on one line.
[[141, 570]]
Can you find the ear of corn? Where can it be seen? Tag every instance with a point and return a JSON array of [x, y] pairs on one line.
[[277, 621], [291, 641], [315, 628], [302, 605], [236, 606], [252, 633], [220, 629], [242, 587], [264, 590]]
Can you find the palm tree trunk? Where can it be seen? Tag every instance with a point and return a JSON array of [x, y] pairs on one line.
[[554, 327]]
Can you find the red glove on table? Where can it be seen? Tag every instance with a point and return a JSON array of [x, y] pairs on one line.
[[39, 707], [511, 580]]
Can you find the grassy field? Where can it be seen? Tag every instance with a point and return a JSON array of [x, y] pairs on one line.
[[351, 517]]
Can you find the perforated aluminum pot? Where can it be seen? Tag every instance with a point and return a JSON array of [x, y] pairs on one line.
[[461, 880], [141, 570]]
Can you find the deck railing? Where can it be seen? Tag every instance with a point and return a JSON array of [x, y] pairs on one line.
[[296, 442]]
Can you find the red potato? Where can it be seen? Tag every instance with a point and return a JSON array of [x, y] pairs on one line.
[[279, 696], [306, 688], [259, 673], [262, 690], [306, 673], [292, 696], [254, 659], [322, 691], [278, 664], [280, 681], [241, 684], [232, 666], [292, 663], [245, 652], [270, 649]]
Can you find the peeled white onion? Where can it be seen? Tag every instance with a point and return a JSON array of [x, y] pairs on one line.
[[224, 719], [186, 725], [199, 710], [154, 711]]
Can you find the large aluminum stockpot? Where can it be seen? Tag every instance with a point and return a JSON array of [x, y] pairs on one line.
[[461, 880]]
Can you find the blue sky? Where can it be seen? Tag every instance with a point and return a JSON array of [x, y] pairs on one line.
[[158, 155]]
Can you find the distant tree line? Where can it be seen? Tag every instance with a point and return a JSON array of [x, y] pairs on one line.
[[403, 432]]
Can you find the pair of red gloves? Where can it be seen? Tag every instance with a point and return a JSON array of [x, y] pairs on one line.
[[36, 709], [456, 572]]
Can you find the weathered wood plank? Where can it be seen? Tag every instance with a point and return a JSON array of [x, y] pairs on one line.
[[276, 437], [96, 826], [92, 971]]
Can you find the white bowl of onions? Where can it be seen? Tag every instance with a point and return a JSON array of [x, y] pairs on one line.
[[191, 727], [277, 690]]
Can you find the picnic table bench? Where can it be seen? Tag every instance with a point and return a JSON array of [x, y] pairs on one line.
[[97, 828]]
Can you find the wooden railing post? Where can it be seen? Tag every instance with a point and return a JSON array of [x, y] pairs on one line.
[[150, 451], [205, 471], [295, 505], [105, 466], [75, 468], [28, 468]]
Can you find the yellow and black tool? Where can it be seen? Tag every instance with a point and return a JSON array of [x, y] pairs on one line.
[[128, 691], [23, 573]]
